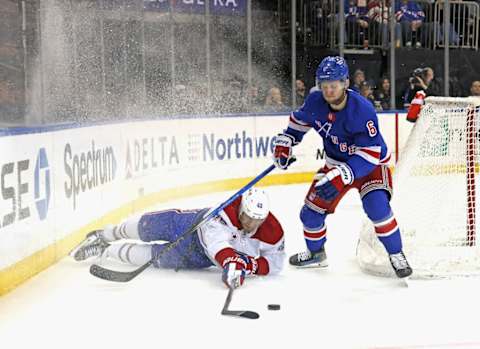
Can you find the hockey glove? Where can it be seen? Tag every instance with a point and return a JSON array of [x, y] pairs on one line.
[[282, 153], [330, 184], [234, 270], [251, 263]]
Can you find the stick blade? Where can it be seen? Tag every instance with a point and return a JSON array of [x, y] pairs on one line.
[[250, 315], [247, 314], [109, 275], [117, 276]]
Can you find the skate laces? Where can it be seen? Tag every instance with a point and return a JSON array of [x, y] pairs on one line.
[[95, 248], [399, 261], [303, 256]]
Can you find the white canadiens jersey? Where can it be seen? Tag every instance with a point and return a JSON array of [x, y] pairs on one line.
[[224, 232]]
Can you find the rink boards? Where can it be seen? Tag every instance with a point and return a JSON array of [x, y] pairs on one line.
[[61, 181]]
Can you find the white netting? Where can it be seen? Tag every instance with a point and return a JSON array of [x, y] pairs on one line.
[[436, 191]]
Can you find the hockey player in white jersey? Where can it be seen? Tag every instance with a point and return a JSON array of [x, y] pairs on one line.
[[244, 239]]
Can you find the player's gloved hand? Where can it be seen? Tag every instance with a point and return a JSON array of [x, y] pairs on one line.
[[282, 153], [251, 263], [330, 184], [234, 271]]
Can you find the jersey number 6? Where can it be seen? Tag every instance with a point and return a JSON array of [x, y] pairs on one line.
[[372, 130]]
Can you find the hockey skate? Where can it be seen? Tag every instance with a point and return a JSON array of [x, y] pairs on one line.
[[93, 246], [310, 259], [400, 265]]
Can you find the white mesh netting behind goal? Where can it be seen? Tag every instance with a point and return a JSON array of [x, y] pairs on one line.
[[435, 194]]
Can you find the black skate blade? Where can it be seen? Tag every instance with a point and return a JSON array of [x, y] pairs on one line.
[[242, 313], [311, 266]]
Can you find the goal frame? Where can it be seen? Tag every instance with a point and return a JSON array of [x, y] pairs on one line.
[[368, 249]]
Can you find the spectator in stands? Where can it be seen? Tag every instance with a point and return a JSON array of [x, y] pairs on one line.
[[456, 88], [420, 80], [366, 91], [300, 92], [475, 88], [274, 101], [379, 14], [438, 26], [358, 79], [253, 99], [323, 20], [382, 95], [410, 16], [357, 22]]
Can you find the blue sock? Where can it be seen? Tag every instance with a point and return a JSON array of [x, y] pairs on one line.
[[314, 229], [377, 207]]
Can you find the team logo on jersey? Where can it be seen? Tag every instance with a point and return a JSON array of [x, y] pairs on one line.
[[331, 117], [326, 127]]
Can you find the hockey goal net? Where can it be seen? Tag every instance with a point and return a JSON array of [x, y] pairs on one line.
[[436, 190]]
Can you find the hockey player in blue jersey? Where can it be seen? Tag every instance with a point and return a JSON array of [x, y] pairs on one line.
[[356, 157]]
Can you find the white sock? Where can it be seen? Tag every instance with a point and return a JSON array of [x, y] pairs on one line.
[[136, 254], [128, 229]]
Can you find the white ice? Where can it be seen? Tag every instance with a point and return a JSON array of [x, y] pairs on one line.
[[338, 307]]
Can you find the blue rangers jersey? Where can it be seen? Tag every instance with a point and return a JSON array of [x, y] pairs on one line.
[[350, 136]]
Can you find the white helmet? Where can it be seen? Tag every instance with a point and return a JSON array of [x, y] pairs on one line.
[[255, 204]]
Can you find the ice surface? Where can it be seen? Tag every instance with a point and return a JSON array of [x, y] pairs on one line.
[[338, 307]]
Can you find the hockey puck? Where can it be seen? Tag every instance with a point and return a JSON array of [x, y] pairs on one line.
[[274, 307]]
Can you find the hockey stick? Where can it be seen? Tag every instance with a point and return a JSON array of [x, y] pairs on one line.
[[120, 276], [241, 313]]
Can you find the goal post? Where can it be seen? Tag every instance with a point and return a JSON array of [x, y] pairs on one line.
[[435, 194]]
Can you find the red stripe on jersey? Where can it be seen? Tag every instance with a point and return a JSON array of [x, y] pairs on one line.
[[296, 121], [373, 153], [270, 231], [386, 228], [232, 211], [225, 253], [263, 268], [386, 159], [292, 120]]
